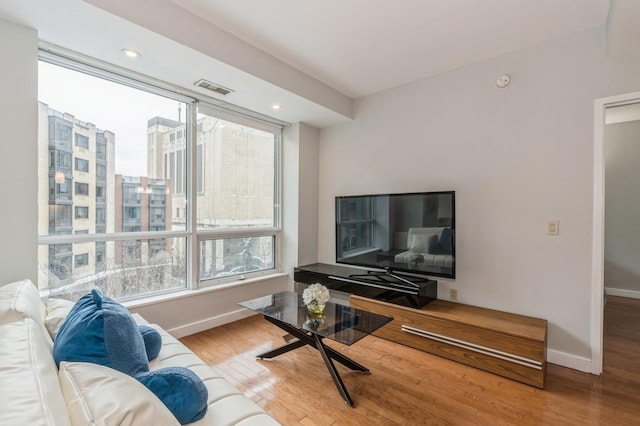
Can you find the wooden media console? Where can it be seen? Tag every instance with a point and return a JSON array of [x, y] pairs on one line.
[[510, 345]]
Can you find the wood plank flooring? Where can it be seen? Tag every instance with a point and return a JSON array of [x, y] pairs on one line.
[[409, 387]]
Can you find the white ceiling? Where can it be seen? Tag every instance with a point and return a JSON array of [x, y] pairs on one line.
[[312, 58], [364, 46]]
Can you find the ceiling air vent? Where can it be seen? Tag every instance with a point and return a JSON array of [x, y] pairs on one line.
[[212, 86]]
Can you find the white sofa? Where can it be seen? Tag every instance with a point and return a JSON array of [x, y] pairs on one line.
[[416, 243], [34, 392]]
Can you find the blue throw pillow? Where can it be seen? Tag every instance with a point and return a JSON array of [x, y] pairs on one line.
[[180, 389], [152, 341], [444, 245], [101, 331], [446, 239]]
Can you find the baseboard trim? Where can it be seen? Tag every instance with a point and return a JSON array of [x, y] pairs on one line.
[[633, 294], [205, 324], [570, 361]]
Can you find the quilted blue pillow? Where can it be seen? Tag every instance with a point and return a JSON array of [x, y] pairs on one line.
[[101, 331], [180, 389]]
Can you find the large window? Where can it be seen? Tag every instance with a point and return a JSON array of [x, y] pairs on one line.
[[151, 157], [242, 197]]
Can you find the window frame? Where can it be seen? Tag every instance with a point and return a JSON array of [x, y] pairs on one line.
[[368, 222], [81, 189], [78, 162], [81, 141], [77, 209], [80, 260], [193, 101]]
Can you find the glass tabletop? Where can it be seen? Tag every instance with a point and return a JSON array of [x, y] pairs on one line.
[[340, 322]]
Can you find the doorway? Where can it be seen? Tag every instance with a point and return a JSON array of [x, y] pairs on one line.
[[602, 107]]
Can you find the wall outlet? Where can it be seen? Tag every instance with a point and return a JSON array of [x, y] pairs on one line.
[[453, 294]]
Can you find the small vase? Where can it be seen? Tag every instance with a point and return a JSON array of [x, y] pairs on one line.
[[313, 323], [316, 310]]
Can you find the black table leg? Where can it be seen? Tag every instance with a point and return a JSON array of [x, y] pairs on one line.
[[282, 349], [347, 362], [332, 370], [327, 353]]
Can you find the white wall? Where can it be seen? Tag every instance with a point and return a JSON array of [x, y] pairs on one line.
[[308, 195], [515, 157], [300, 196], [19, 159], [203, 309], [622, 209]]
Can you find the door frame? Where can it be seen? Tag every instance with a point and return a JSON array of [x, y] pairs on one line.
[[597, 264]]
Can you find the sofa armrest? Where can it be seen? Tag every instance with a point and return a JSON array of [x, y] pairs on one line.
[[31, 393]]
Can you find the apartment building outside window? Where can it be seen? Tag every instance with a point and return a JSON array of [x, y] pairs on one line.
[[137, 173]]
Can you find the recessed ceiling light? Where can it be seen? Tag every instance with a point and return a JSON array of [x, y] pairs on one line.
[[130, 53], [276, 106]]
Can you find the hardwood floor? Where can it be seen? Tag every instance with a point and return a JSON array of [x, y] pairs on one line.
[[409, 387]]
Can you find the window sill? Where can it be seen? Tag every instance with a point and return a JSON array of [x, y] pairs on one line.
[[183, 293]]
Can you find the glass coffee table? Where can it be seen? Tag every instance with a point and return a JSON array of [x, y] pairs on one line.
[[339, 322]]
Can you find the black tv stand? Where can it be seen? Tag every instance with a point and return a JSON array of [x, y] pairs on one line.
[[390, 277], [388, 286]]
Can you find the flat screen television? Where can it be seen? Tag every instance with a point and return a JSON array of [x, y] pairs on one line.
[[409, 232]]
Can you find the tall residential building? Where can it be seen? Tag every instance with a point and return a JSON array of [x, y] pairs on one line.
[[233, 180], [142, 204], [234, 185], [79, 193]]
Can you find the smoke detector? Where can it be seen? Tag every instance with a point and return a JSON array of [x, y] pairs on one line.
[[205, 84], [503, 81]]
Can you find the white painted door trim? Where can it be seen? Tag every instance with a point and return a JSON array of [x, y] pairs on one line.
[[597, 265]]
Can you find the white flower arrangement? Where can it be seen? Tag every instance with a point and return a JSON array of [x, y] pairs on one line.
[[315, 294]]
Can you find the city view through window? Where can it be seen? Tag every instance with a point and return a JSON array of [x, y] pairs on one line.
[[119, 174]]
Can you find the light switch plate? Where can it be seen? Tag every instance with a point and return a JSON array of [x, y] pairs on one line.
[[553, 227]]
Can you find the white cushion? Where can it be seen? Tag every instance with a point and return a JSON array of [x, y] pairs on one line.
[[21, 300], [99, 395], [57, 311], [30, 392], [419, 239], [227, 405]]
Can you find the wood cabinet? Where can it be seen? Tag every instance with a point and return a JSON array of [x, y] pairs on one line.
[[510, 345]]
